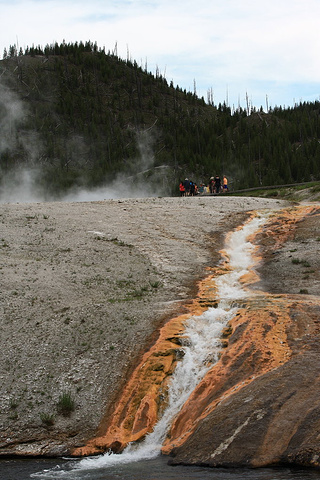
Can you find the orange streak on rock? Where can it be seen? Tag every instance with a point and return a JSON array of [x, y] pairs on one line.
[[280, 227], [276, 437], [145, 394], [258, 344]]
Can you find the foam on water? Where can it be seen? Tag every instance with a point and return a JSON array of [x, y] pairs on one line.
[[204, 333]]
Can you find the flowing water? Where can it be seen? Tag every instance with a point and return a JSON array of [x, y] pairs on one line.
[[143, 461], [153, 469]]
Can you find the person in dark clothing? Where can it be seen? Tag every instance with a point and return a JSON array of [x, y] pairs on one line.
[[217, 184], [186, 184]]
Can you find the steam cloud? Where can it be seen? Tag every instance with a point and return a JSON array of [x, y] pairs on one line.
[[134, 186], [20, 184]]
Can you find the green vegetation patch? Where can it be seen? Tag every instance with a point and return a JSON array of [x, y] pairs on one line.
[[65, 404]]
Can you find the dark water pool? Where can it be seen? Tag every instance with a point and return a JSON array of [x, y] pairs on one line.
[[156, 469]]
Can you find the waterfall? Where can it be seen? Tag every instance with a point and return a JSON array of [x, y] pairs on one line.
[[203, 333]]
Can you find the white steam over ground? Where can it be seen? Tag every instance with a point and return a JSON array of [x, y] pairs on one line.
[[21, 188], [122, 187], [11, 113], [20, 185], [147, 181]]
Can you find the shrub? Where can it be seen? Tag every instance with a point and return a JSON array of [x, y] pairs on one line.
[[47, 419], [65, 404], [304, 291]]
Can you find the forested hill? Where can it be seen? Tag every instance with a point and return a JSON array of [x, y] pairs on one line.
[[74, 114]]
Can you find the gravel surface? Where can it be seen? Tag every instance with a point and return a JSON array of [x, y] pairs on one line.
[[84, 287], [294, 267]]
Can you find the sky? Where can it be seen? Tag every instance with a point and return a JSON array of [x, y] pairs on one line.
[[265, 52]]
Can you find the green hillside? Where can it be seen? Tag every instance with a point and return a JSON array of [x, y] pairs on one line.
[[76, 115]]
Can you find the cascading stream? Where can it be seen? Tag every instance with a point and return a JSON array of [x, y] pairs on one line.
[[200, 354]]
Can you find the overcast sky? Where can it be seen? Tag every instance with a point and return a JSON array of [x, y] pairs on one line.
[[266, 49]]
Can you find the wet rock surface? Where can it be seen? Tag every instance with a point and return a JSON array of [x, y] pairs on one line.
[[259, 405], [84, 289]]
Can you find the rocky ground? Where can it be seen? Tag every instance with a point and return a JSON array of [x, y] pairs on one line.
[[258, 405], [84, 287], [292, 267]]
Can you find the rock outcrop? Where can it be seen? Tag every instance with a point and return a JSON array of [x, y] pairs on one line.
[[144, 397], [258, 406], [85, 288]]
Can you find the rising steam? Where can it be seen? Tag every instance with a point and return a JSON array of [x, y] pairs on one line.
[[21, 183]]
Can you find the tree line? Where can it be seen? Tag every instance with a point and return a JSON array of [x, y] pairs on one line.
[[93, 116]]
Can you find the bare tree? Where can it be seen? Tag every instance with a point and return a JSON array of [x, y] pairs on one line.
[[248, 104], [210, 97]]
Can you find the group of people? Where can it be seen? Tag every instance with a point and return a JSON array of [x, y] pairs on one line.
[[188, 188], [216, 185]]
